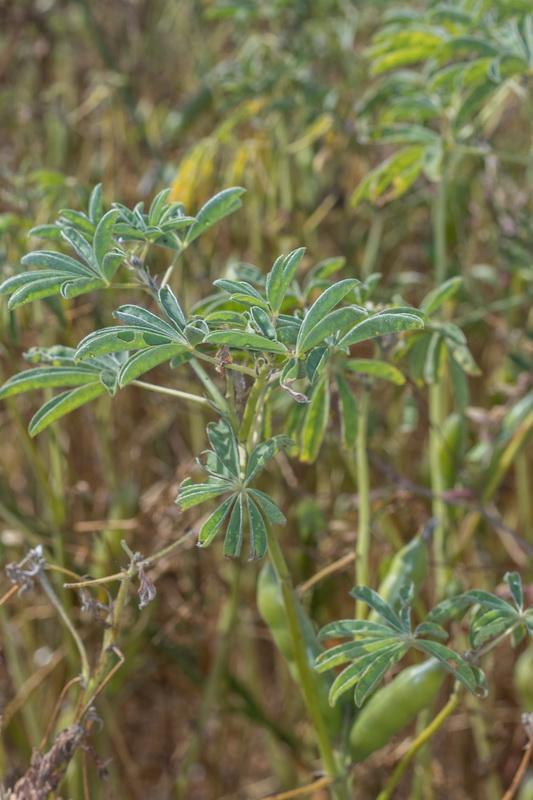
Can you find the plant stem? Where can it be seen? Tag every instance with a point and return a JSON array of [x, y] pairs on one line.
[[213, 390], [437, 415], [332, 770], [362, 574], [420, 740], [191, 398], [251, 409], [439, 230]]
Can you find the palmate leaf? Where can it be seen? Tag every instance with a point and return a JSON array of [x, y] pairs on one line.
[[374, 647], [246, 509]]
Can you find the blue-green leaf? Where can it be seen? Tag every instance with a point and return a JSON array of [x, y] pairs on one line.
[[233, 539], [381, 325], [214, 523], [171, 307], [63, 404], [514, 581], [141, 362], [269, 508], [372, 598], [376, 369], [218, 207], [246, 341], [258, 532], [115, 339], [280, 277], [141, 318], [436, 297], [263, 452], [321, 308], [224, 444], [45, 377], [58, 262], [103, 237]]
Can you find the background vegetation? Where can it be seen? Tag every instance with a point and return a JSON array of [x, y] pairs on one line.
[[399, 142]]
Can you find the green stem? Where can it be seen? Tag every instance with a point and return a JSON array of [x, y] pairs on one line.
[[437, 414], [191, 398], [420, 741], [211, 387], [251, 409], [305, 676], [362, 572], [170, 270], [439, 231]]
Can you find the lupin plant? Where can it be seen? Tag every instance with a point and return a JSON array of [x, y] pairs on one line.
[[261, 342]]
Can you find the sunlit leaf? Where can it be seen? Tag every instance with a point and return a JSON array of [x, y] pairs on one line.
[[218, 207]]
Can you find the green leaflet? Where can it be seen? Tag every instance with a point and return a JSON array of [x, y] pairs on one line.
[[145, 360], [246, 341], [191, 495], [258, 531], [58, 262], [214, 523], [399, 171], [96, 204], [263, 452], [438, 296], [280, 277], [35, 289], [46, 377], [319, 311], [233, 538], [333, 321], [103, 236], [376, 369], [115, 339], [268, 507], [224, 444], [171, 307], [63, 404], [218, 207], [380, 325], [141, 318]]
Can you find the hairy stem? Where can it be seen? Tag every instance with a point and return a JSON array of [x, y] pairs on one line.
[[332, 769], [362, 573]]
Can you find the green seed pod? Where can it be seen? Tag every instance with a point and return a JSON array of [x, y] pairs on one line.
[[272, 611], [390, 709], [409, 565]]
